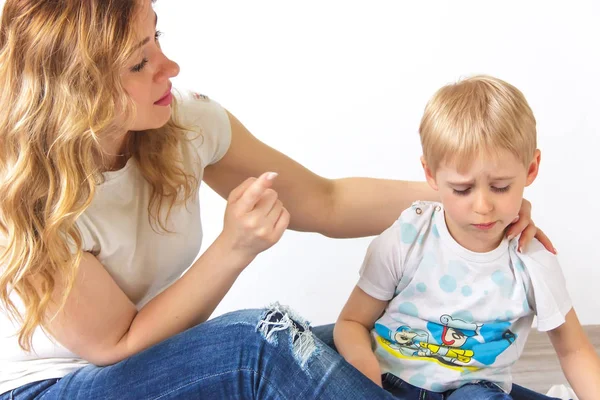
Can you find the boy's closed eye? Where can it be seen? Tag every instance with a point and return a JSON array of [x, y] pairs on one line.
[[466, 191], [500, 189], [462, 192]]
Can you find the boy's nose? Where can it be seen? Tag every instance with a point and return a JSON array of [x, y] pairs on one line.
[[483, 204]]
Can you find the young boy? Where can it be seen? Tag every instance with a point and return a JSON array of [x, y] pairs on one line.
[[444, 302]]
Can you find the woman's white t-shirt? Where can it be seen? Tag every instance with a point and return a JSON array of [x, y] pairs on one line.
[[116, 229]]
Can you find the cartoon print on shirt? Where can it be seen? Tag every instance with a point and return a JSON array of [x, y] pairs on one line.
[[451, 336], [453, 343], [404, 339]]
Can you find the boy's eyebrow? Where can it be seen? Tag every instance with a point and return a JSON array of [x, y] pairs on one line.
[[461, 183], [471, 182]]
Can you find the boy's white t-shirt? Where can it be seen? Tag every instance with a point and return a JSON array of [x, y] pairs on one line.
[[455, 316], [115, 228]]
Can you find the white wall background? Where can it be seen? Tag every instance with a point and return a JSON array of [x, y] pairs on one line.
[[340, 87]]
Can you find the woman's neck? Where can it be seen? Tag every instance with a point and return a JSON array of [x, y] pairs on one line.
[[115, 153]]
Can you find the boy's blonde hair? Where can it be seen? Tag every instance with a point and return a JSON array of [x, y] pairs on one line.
[[475, 116]]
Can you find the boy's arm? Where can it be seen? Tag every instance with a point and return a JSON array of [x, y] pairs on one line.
[[351, 332], [578, 358]]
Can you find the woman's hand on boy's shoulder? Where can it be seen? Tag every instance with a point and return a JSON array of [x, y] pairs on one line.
[[523, 225]]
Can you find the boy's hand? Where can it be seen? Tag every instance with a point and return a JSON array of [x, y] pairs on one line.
[[578, 358], [351, 333], [369, 366], [524, 226]]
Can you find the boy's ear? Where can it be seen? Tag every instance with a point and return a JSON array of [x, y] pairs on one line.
[[534, 168], [428, 175]]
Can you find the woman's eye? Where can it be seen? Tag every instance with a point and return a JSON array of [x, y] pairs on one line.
[[140, 66]]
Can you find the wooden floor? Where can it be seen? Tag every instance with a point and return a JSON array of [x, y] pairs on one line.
[[538, 368]]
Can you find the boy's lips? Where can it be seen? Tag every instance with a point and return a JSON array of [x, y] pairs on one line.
[[485, 226]]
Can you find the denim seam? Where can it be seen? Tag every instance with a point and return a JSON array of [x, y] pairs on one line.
[[222, 373], [47, 390], [394, 380]]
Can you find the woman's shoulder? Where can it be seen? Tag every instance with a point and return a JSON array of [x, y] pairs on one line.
[[193, 108], [206, 122]]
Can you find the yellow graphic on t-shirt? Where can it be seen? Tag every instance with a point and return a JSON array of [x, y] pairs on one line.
[[459, 354], [429, 354]]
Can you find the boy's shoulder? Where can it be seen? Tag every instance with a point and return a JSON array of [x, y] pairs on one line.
[[548, 294], [411, 226], [534, 255], [420, 212]]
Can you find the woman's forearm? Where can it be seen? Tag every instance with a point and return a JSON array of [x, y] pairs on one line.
[[365, 206], [189, 301]]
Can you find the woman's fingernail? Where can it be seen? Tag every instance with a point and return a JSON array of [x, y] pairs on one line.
[[555, 251], [271, 176], [516, 219], [510, 237]]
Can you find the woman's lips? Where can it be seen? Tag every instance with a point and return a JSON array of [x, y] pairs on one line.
[[166, 99]]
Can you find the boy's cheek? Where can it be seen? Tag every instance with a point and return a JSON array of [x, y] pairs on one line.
[[508, 215]]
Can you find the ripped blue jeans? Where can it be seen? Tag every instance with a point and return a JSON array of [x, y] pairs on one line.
[[251, 354]]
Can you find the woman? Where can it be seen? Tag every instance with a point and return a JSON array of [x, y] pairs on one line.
[[99, 170]]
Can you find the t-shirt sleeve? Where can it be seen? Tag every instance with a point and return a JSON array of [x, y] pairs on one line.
[[386, 260], [382, 267], [551, 300], [207, 123]]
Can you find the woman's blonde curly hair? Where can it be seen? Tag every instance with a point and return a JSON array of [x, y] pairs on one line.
[[60, 91]]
